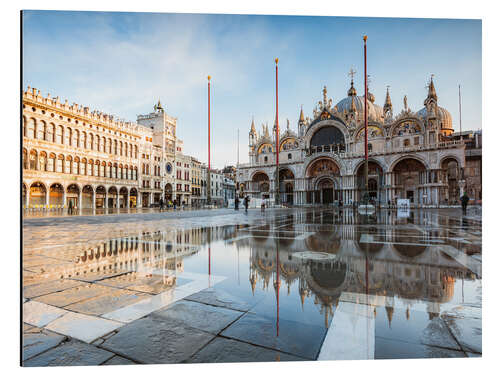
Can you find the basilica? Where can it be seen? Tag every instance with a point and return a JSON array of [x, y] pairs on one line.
[[412, 155]]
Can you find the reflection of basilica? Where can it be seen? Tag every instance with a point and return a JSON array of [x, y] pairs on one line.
[[412, 154], [339, 265]]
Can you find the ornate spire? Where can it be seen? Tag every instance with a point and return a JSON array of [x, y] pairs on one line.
[[432, 90], [388, 101], [352, 90], [266, 131], [301, 116], [325, 99], [252, 128]]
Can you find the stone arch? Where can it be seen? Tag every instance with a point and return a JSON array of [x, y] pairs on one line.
[[322, 165], [25, 158], [407, 156], [60, 163], [289, 143], [68, 168], [42, 130], [112, 197], [261, 183], [123, 198], [31, 129], [168, 192], [407, 124], [52, 162], [42, 161], [37, 194], [87, 196], [56, 194], [133, 197], [72, 195], [33, 162], [451, 174], [408, 173], [325, 123], [24, 194], [100, 196]]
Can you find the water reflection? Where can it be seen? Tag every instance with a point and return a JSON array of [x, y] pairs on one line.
[[299, 267]]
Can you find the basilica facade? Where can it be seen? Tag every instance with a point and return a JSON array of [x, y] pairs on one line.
[[412, 155]]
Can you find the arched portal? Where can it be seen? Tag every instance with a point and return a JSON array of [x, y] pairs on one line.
[[56, 194], [72, 194], [323, 188], [112, 197], [100, 197], [87, 196], [375, 180], [260, 184], [168, 192], [123, 197], [286, 185], [38, 194], [408, 175], [133, 198], [451, 174]]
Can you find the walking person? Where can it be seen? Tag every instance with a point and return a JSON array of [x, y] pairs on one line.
[[245, 202], [70, 207], [465, 201], [236, 203], [161, 204]]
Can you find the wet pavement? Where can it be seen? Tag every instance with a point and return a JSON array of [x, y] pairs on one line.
[[225, 286]]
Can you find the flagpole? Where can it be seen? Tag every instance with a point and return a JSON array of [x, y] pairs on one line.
[[366, 127], [208, 172], [277, 141], [460, 109]]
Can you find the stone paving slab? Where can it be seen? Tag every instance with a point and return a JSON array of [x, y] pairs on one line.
[[468, 332], [83, 327], [222, 350], [71, 353], [395, 349], [111, 300], [39, 314], [42, 288], [118, 361], [72, 295], [153, 341], [206, 318], [417, 329], [294, 338], [36, 343], [221, 298]]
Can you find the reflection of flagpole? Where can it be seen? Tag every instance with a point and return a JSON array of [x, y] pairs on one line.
[[277, 288]]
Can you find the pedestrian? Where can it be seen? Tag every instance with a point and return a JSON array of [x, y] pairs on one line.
[[236, 203], [465, 200], [340, 203], [245, 202], [175, 205], [161, 204], [389, 203], [70, 207], [263, 206]]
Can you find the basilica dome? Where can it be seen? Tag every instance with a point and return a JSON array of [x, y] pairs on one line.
[[375, 112], [443, 115]]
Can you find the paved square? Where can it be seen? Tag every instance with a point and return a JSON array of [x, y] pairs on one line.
[[225, 286]]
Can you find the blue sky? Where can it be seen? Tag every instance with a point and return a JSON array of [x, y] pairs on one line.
[[121, 63]]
